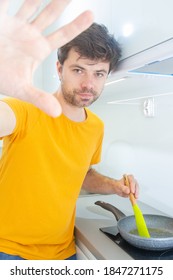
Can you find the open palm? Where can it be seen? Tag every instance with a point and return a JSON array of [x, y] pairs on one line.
[[23, 47]]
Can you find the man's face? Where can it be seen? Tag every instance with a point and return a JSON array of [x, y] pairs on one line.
[[82, 79]]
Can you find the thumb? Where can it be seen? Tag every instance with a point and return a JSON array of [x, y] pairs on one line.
[[44, 101], [125, 190]]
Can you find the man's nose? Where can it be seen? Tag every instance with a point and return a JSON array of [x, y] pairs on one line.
[[87, 82]]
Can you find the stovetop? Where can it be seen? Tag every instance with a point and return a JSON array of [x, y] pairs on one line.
[[136, 253]]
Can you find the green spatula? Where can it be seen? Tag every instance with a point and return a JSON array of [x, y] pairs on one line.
[[139, 218]]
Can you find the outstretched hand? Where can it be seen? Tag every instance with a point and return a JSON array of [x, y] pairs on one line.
[[23, 47]]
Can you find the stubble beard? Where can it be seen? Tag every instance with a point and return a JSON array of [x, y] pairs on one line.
[[73, 98]]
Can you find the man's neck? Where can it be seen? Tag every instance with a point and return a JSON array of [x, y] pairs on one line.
[[71, 112]]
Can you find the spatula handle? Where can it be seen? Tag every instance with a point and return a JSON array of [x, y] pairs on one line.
[[132, 199], [131, 196]]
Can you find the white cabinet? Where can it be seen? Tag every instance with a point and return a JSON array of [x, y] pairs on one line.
[[80, 254], [151, 21], [83, 252]]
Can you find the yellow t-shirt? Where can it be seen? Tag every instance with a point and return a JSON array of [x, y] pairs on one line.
[[43, 165]]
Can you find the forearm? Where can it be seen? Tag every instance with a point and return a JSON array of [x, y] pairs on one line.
[[97, 183]]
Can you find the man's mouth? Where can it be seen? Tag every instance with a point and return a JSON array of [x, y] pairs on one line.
[[85, 95]]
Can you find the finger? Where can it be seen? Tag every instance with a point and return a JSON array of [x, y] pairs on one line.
[[44, 101], [28, 8], [50, 14], [71, 30], [128, 181], [4, 4], [137, 191], [134, 187]]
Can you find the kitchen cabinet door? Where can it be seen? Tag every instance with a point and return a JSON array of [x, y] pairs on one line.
[[141, 24]]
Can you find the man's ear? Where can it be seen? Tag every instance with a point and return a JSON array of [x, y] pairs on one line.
[[59, 69]]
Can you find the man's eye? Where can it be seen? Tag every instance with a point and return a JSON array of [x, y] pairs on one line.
[[100, 75], [79, 71]]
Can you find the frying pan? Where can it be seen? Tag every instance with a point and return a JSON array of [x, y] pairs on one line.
[[160, 229]]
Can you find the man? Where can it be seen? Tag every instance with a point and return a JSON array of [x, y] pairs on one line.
[[46, 158]]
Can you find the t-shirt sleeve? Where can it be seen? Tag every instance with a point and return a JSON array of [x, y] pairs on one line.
[[25, 118]]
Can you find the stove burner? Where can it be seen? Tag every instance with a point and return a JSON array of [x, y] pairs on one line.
[[135, 253]]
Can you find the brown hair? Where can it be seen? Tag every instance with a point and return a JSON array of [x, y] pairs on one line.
[[94, 43]]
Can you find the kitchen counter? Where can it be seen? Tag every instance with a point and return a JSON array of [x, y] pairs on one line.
[[90, 217]]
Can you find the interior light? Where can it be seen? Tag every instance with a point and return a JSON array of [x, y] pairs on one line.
[[127, 29], [115, 81]]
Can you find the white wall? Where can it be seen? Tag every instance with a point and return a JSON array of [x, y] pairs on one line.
[[143, 146]]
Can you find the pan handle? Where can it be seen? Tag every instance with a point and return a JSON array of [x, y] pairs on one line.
[[115, 211]]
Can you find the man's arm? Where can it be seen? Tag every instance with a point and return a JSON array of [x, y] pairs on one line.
[[97, 183]]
